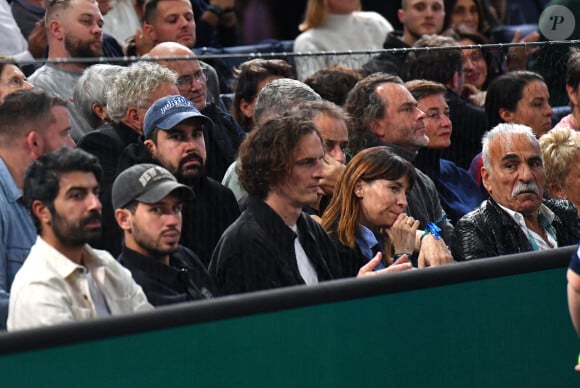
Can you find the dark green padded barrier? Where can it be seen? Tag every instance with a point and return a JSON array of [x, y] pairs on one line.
[[500, 322]]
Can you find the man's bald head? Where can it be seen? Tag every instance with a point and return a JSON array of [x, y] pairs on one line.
[[171, 49], [191, 79]]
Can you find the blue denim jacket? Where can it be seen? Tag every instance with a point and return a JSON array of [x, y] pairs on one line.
[[17, 235]]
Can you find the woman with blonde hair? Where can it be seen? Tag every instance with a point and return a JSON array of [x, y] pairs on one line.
[[561, 150], [367, 211], [337, 25]]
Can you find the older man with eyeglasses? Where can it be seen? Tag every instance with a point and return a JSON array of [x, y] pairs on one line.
[[224, 137]]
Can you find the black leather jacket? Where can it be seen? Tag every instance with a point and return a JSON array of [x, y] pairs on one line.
[[490, 231]]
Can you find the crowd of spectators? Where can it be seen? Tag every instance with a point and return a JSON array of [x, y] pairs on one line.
[[199, 187]]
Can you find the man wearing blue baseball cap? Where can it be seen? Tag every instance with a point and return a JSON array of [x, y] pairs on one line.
[[173, 137]]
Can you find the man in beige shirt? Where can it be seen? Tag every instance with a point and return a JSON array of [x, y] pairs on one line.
[[64, 279]]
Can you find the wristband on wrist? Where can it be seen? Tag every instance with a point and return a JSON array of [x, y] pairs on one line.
[[397, 256]]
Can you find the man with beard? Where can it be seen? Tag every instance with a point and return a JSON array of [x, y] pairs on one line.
[[418, 17], [224, 137], [516, 218], [132, 92], [63, 278], [148, 201], [173, 132], [74, 31], [32, 123], [384, 113], [174, 21]]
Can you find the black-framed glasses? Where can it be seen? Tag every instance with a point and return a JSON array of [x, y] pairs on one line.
[[188, 79]]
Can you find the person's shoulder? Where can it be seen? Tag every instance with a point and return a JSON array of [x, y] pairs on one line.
[[219, 188], [424, 181], [102, 134], [40, 75], [374, 17], [109, 262], [487, 211], [305, 40], [561, 206]]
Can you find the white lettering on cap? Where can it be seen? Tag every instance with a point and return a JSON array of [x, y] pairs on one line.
[[148, 175], [154, 174], [178, 102]]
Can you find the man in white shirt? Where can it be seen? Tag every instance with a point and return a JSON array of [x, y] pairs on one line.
[[63, 279]]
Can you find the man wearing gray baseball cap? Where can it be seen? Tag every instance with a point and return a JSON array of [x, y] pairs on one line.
[[147, 200]]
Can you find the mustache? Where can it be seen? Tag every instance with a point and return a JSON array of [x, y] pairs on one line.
[[525, 188], [169, 230], [190, 157], [93, 216]]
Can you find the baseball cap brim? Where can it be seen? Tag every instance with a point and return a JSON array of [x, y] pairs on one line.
[[163, 189]]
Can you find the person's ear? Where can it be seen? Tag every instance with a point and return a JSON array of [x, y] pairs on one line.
[[401, 16], [34, 144], [42, 212], [359, 189], [151, 147], [485, 179], [134, 120], [376, 127], [506, 115], [56, 29], [150, 32], [123, 217], [247, 108], [100, 110]]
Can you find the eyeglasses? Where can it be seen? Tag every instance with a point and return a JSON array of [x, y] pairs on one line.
[[436, 116], [188, 79]]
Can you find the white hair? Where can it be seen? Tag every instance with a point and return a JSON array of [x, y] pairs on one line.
[[506, 130]]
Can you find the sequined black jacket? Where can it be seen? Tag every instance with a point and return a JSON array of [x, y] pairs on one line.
[[489, 231]]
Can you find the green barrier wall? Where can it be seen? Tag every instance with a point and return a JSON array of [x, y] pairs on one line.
[[507, 331]]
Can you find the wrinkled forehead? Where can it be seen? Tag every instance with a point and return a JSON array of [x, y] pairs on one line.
[[513, 143]]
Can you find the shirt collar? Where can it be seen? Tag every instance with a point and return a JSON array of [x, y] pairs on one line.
[[366, 240], [62, 265], [519, 218]]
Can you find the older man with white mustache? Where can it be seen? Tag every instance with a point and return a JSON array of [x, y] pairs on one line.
[[515, 218]]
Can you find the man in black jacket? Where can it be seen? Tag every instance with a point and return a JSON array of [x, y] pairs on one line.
[[174, 138], [516, 218], [274, 243], [148, 201]]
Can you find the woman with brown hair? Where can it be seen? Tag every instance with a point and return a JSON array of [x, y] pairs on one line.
[[367, 212], [250, 78]]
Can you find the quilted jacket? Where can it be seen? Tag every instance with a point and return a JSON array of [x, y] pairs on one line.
[[489, 231]]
